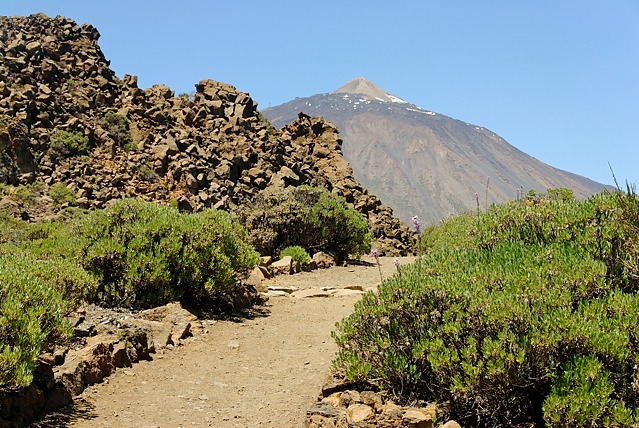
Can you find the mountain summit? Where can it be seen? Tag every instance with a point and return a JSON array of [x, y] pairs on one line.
[[424, 163], [368, 89]]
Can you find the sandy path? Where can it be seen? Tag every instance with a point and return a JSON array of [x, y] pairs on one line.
[[260, 372]]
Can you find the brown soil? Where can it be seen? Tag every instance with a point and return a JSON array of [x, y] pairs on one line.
[[262, 371]]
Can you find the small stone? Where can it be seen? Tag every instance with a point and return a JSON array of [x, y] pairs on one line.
[[323, 260], [349, 397], [333, 399], [346, 292], [275, 293], [284, 266], [325, 410], [311, 293], [358, 412], [287, 290], [417, 419]]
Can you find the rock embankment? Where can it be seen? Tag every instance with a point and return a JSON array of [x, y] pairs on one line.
[[104, 341], [66, 118]]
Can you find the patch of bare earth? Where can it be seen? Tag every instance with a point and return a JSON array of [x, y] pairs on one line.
[[259, 372]]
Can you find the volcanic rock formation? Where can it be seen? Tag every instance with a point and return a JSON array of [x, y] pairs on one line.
[[66, 118]]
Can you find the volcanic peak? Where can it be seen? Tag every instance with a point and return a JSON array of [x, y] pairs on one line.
[[368, 89]]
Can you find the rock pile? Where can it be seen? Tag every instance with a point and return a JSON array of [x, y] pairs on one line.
[[66, 118], [345, 405]]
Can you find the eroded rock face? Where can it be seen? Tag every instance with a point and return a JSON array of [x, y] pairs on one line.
[[209, 150]]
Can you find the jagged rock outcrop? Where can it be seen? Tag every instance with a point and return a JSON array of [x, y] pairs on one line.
[[66, 118]]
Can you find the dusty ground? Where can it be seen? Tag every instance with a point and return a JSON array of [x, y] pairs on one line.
[[258, 372]]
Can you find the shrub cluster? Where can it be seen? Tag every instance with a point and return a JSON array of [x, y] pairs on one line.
[[297, 253], [310, 217], [144, 254], [32, 310], [68, 144], [117, 126], [134, 253], [61, 195], [528, 316]]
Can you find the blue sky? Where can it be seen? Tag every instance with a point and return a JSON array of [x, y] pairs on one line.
[[557, 79]]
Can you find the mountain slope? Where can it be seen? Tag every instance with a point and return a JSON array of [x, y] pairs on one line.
[[423, 163]]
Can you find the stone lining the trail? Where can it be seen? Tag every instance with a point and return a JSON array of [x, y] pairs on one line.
[[346, 405], [105, 340]]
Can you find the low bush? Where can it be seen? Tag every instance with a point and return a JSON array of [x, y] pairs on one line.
[[297, 253], [68, 144], [11, 229], [312, 218], [117, 126], [61, 195], [144, 254], [528, 317], [32, 315], [23, 194]]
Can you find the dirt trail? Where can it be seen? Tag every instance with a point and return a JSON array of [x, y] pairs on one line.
[[260, 372]]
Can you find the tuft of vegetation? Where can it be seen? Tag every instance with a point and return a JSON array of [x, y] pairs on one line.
[[62, 195], [117, 126], [524, 314], [68, 144], [146, 173], [310, 217], [23, 194], [297, 253], [32, 312]]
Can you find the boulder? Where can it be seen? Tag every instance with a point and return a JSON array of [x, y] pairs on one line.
[[357, 413], [284, 266], [323, 260]]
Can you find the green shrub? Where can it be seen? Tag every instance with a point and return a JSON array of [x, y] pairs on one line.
[[117, 126], [297, 253], [146, 173], [68, 144], [515, 322], [584, 396], [144, 254], [32, 315], [11, 229], [24, 194], [312, 218], [626, 249], [61, 195]]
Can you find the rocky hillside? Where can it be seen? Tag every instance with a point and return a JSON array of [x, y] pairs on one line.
[[422, 162], [69, 125]]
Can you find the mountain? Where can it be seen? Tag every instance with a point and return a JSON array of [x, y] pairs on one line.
[[424, 163], [69, 127]]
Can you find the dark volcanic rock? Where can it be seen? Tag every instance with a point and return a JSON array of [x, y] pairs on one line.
[[211, 150]]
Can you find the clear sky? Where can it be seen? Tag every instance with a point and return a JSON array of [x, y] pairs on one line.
[[557, 79]]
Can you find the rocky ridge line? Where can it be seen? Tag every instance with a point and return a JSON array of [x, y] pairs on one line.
[[213, 149]]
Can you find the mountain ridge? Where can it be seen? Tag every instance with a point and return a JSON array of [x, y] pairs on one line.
[[424, 163]]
